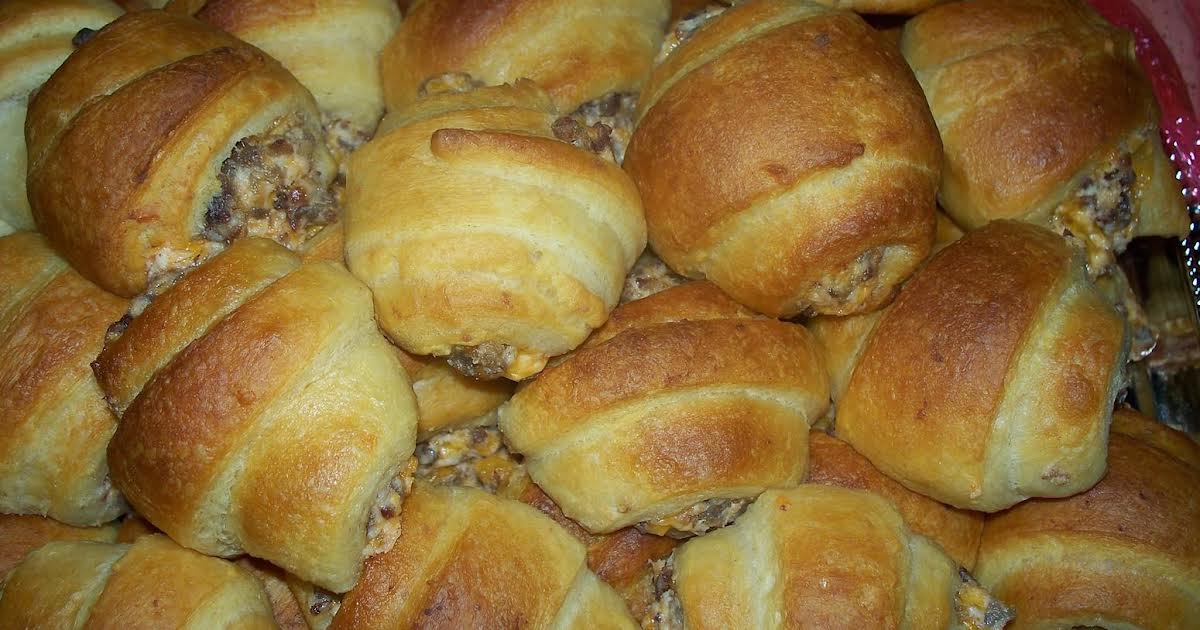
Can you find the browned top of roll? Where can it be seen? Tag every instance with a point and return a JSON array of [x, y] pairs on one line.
[[941, 380], [697, 336], [469, 559], [832, 462], [1124, 551], [806, 107], [958, 326], [1026, 94], [577, 49]]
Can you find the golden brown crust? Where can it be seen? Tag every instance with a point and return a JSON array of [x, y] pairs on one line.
[[832, 462], [806, 138], [830, 557], [332, 47], [1031, 97], [288, 384], [1000, 362], [1124, 552], [54, 424], [21, 534], [530, 260], [576, 49], [165, 81], [35, 37], [468, 559], [670, 414], [152, 583]]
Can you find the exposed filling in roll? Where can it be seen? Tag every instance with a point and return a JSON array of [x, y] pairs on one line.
[[383, 524], [666, 611], [448, 83], [649, 275], [687, 26], [473, 457], [274, 185], [614, 111], [1099, 218], [488, 360], [848, 285], [976, 608], [698, 519], [342, 138], [322, 604], [596, 138]]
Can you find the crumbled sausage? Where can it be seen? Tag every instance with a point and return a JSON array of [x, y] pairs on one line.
[[488, 360]]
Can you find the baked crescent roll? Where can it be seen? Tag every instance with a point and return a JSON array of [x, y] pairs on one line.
[[160, 140], [262, 412], [622, 559], [152, 583], [468, 559], [578, 50], [1124, 554], [35, 36], [1046, 117], [674, 415], [54, 425], [331, 46], [20, 534], [484, 236], [815, 195], [832, 462], [818, 557], [991, 378]]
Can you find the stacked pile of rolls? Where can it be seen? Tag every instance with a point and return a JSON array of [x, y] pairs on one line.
[[563, 314]]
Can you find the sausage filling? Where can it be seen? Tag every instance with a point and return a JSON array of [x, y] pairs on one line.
[[383, 524], [342, 138], [274, 185], [977, 609], [473, 457], [649, 275], [489, 360], [848, 285], [596, 138], [614, 112], [687, 26], [1099, 219], [665, 612], [698, 519]]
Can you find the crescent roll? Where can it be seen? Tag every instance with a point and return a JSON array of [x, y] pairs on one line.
[[674, 415], [160, 140], [587, 55], [152, 583], [1046, 117], [54, 425], [1123, 554], [262, 412], [21, 534], [35, 36], [468, 559], [484, 236], [818, 557], [331, 46], [991, 378], [816, 193], [832, 462]]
